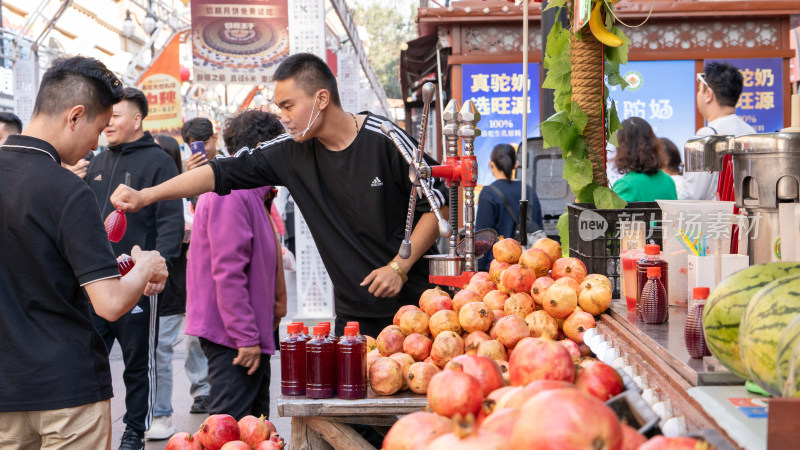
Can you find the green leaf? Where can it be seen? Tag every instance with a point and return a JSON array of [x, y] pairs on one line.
[[563, 233], [557, 41], [559, 75], [579, 118], [618, 54], [605, 198], [577, 172], [613, 124], [586, 195], [613, 75], [555, 4], [609, 17], [558, 131]]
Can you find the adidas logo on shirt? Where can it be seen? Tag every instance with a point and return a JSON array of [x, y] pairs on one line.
[[376, 182], [137, 310], [99, 177]]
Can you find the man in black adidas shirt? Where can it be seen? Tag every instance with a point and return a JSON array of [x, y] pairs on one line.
[[55, 380], [351, 184]]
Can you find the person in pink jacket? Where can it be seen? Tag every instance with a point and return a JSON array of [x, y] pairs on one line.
[[235, 294]]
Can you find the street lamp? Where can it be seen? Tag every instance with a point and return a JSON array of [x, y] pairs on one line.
[[149, 27], [128, 26]]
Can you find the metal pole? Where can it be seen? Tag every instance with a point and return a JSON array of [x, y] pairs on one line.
[[525, 46]]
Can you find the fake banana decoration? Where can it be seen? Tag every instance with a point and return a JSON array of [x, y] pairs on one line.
[[599, 29]]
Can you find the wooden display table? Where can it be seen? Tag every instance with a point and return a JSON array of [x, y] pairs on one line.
[[325, 423]]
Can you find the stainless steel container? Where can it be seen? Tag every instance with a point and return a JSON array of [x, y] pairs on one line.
[[445, 265]]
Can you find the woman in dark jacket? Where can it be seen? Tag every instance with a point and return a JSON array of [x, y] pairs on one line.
[[492, 210]]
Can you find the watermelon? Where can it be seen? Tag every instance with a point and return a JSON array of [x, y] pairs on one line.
[[766, 317], [786, 346], [725, 306]]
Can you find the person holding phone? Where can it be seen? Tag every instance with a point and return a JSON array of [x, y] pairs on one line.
[[199, 134]]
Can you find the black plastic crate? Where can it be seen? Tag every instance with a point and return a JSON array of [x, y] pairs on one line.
[[631, 409], [594, 235]]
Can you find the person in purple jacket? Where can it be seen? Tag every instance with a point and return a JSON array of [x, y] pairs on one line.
[[234, 298]]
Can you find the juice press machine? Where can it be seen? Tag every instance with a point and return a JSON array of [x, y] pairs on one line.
[[457, 267]]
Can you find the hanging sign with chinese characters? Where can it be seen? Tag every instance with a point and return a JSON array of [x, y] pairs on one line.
[[496, 90], [307, 26], [161, 85], [314, 286], [761, 102], [240, 41], [349, 81]]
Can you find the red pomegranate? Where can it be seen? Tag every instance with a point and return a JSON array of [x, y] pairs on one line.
[[631, 439], [418, 346], [465, 296], [535, 387], [501, 422], [520, 304], [576, 324], [535, 260], [511, 329], [482, 368], [415, 431], [496, 269], [271, 444], [236, 445], [444, 321], [495, 299], [405, 361], [539, 288], [540, 359], [594, 297], [507, 250], [481, 283], [573, 348], [438, 303], [467, 436], [217, 430], [253, 430], [569, 282], [402, 310], [373, 356], [493, 349], [386, 376], [446, 346], [516, 279], [419, 376], [569, 267], [566, 419], [542, 324], [551, 247], [452, 392], [390, 340], [475, 316], [560, 301], [183, 441], [676, 443], [414, 322], [599, 380], [429, 294], [597, 278], [512, 399]]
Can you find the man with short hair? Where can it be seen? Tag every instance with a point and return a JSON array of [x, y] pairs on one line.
[[55, 259], [718, 91], [200, 129], [134, 158], [9, 124]]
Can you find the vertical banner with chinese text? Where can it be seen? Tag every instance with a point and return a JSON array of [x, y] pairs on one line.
[[240, 41], [761, 102], [496, 90], [307, 27], [161, 84], [348, 80]]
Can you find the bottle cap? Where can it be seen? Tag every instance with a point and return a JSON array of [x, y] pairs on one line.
[[305, 330], [354, 324], [350, 331], [653, 272], [319, 330], [299, 323], [293, 328], [652, 249], [700, 293]]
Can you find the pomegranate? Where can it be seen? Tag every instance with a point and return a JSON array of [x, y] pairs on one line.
[[474, 339], [216, 430], [419, 376], [418, 346], [452, 392], [534, 387], [558, 419], [569, 282], [512, 329], [505, 369], [495, 299], [236, 445], [414, 322], [405, 361], [444, 321], [372, 344], [446, 346], [415, 431], [468, 436], [572, 348], [535, 260], [270, 445], [560, 301], [569, 267], [429, 294], [496, 269], [403, 309], [631, 439], [501, 422], [539, 288], [183, 441], [599, 380], [594, 298], [542, 324], [493, 349], [507, 250], [497, 394], [675, 443], [481, 284], [585, 350], [520, 304], [540, 359], [438, 303], [550, 247], [475, 316], [516, 279], [463, 297], [511, 399], [373, 356], [482, 368], [598, 279], [386, 376], [391, 340], [576, 324], [253, 430]]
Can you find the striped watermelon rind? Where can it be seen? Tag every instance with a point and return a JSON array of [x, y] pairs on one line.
[[766, 317], [726, 305], [788, 343]]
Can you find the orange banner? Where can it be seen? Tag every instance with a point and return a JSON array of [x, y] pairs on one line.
[[161, 83]]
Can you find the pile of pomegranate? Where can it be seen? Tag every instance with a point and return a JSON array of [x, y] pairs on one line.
[[223, 432]]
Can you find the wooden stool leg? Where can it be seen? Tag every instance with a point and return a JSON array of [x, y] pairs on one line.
[[340, 435], [305, 437]]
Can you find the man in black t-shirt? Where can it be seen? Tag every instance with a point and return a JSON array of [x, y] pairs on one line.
[[55, 378], [350, 183]]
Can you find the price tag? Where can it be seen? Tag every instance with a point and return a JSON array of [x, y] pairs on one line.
[[583, 9]]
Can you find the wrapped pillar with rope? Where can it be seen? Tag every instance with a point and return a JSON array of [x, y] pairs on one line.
[[586, 59]]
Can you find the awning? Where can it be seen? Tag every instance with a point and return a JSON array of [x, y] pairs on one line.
[[418, 65]]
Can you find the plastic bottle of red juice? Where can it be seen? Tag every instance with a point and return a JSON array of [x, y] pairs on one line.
[[653, 299], [293, 362], [320, 365], [352, 361]]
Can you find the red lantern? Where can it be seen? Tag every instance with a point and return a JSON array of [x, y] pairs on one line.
[[185, 75]]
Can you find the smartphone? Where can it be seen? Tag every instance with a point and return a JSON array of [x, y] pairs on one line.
[[198, 147]]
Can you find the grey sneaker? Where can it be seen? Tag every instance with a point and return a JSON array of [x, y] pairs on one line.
[[161, 428], [131, 440]]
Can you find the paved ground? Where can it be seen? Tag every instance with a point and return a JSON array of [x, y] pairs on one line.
[[181, 400]]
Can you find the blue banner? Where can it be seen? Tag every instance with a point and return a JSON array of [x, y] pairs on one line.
[[496, 90], [761, 102]]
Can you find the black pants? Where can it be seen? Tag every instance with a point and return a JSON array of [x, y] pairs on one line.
[[233, 391], [370, 327], [137, 333]]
